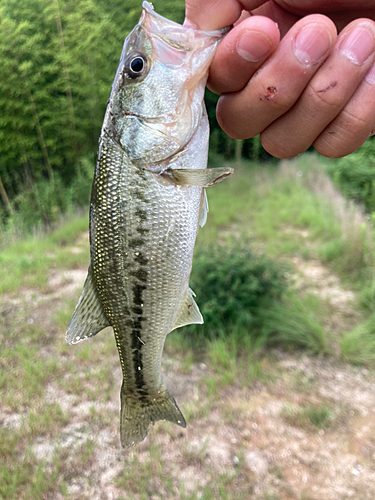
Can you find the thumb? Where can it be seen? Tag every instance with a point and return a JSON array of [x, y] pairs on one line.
[[212, 14]]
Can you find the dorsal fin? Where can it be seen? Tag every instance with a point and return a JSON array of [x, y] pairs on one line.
[[88, 317]]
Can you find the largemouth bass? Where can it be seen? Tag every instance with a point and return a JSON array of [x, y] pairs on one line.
[[146, 202]]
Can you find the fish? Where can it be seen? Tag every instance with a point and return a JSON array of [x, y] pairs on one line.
[[147, 201]]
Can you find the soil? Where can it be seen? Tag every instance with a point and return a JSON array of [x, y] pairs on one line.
[[249, 436]]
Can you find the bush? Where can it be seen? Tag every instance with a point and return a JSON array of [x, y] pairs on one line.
[[40, 205], [82, 181], [233, 284], [355, 175]]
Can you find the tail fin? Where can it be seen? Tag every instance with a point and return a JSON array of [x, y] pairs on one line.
[[139, 413]]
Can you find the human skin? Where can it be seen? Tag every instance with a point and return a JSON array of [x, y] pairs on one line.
[[309, 79]]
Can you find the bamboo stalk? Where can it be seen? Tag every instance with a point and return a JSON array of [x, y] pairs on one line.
[[4, 196], [40, 135], [67, 78]]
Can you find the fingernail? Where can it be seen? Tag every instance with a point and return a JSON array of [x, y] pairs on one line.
[[312, 44], [358, 45], [370, 75], [253, 46]]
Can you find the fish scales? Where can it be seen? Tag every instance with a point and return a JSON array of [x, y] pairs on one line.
[[146, 202]]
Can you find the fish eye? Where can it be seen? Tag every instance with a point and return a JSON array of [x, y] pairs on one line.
[[136, 66]]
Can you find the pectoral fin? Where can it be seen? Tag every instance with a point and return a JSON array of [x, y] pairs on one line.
[[189, 313], [88, 317], [202, 177]]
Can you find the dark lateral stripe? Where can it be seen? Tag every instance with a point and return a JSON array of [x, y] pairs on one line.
[[137, 360], [137, 293], [136, 242], [141, 274], [138, 194], [142, 230], [142, 214], [142, 261]]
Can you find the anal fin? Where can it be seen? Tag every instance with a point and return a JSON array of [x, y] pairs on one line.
[[189, 313], [88, 317]]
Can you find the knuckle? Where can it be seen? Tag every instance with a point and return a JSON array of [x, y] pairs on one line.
[[277, 146], [233, 118], [346, 134], [328, 147], [353, 123]]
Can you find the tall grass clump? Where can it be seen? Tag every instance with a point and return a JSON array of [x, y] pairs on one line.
[[293, 324], [358, 345]]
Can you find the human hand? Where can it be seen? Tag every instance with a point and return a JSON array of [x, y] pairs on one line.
[[312, 87]]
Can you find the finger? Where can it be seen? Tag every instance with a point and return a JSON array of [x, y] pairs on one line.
[[328, 92], [353, 125], [284, 19], [305, 7], [241, 53], [281, 80], [212, 14], [283, 11]]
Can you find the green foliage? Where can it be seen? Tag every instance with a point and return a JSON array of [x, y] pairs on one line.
[[234, 283], [355, 175], [58, 61], [311, 417], [358, 345], [295, 323], [41, 205]]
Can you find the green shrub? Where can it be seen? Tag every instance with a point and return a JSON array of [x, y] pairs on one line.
[[82, 181], [355, 175], [233, 283], [41, 205]]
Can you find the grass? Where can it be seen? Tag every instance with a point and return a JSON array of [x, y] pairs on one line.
[[358, 345], [295, 323], [282, 215], [27, 262], [275, 206], [295, 211], [310, 417]]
